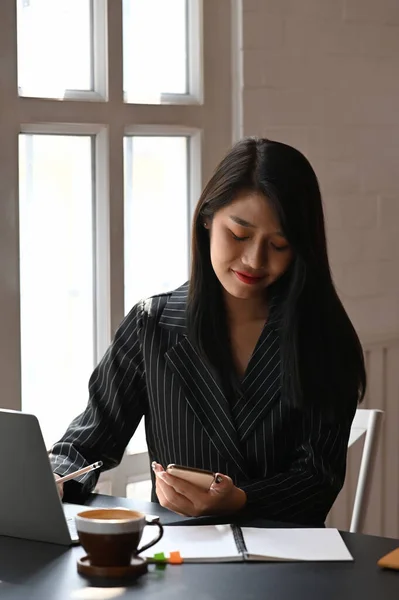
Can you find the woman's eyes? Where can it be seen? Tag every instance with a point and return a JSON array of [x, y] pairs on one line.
[[280, 248], [276, 248], [237, 238]]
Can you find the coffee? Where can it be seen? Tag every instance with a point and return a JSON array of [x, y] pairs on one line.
[[111, 537]]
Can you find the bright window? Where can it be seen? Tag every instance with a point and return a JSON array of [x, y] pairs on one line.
[[156, 215], [155, 49], [56, 277], [54, 47], [104, 140]]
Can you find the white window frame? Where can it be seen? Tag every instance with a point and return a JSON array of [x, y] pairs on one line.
[[206, 115]]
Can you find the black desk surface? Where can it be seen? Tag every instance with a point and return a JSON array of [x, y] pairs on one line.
[[37, 571]]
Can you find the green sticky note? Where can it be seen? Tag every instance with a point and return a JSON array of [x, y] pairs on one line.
[[160, 557]]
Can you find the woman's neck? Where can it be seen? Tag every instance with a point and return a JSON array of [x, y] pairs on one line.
[[241, 311]]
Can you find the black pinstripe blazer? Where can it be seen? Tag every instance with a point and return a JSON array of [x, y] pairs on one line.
[[290, 462]]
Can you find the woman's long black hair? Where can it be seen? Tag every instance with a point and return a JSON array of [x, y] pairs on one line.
[[321, 355]]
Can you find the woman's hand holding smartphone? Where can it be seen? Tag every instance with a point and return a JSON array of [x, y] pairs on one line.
[[196, 492]]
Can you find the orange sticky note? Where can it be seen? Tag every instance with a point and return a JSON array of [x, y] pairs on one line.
[[175, 558], [390, 561]]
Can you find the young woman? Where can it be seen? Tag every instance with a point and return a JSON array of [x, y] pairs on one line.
[[252, 369]]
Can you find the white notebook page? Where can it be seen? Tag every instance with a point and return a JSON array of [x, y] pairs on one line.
[[296, 544], [205, 542]]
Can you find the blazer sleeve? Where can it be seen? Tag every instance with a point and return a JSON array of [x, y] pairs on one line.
[[117, 400], [306, 491]]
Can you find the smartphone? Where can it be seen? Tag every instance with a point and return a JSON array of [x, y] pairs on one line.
[[203, 479]]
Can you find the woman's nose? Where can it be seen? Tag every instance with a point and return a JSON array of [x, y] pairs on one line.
[[254, 257]]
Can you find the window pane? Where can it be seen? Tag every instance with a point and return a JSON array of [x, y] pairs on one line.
[[154, 49], [141, 490], [156, 224], [56, 263], [156, 216], [54, 47], [138, 443]]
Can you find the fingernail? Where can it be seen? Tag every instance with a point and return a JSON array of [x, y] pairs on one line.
[[153, 465], [218, 479]]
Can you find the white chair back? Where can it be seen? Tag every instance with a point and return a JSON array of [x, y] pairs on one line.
[[366, 422]]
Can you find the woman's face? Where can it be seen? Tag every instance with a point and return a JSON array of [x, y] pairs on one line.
[[248, 249]]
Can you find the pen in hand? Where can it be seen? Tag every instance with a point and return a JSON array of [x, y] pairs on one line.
[[92, 467]]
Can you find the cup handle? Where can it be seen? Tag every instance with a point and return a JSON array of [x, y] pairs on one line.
[[155, 540]]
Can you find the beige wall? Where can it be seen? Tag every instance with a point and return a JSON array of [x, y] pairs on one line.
[[323, 75]]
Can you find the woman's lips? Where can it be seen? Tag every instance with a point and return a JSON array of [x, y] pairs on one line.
[[247, 278]]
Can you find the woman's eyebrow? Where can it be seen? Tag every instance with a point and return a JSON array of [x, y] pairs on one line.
[[244, 223], [240, 221]]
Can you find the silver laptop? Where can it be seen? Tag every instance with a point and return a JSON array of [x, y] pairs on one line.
[[30, 506]]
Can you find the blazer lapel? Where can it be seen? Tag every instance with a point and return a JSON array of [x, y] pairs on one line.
[[261, 386], [202, 389]]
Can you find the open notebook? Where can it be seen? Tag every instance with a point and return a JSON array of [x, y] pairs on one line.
[[230, 543]]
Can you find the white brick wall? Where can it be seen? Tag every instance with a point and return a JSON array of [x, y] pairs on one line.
[[323, 75]]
